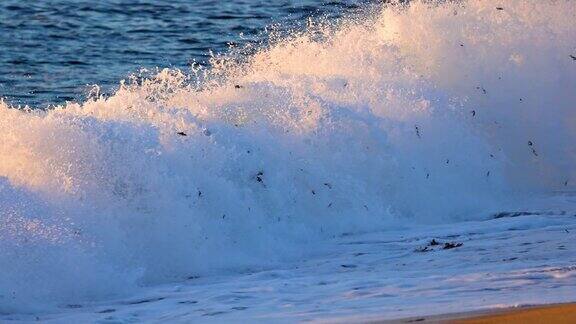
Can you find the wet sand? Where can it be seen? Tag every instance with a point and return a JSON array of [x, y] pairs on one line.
[[557, 313], [564, 313]]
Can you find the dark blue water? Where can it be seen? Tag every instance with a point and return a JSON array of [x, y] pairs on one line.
[[50, 50]]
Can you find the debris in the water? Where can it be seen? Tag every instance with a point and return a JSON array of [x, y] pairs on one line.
[[532, 146], [417, 131], [573, 57], [445, 246], [499, 8], [449, 245], [513, 214], [238, 86], [473, 113], [259, 176], [328, 185], [182, 134]]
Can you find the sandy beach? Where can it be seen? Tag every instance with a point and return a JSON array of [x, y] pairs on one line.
[[565, 313], [556, 313]]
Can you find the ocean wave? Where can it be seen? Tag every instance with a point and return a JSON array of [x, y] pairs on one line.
[[419, 113]]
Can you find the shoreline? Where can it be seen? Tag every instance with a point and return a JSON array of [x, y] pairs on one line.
[[551, 313]]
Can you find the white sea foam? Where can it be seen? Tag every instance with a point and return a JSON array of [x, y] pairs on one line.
[[424, 113]]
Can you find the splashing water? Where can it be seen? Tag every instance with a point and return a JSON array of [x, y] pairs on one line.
[[418, 113]]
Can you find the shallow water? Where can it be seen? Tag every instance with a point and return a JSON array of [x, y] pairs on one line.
[[50, 50], [505, 262]]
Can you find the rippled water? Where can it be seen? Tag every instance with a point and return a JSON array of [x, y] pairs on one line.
[[50, 50]]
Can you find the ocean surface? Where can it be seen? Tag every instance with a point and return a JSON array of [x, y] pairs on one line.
[[51, 50], [341, 162]]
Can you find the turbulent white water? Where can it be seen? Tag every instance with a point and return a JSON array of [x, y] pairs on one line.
[[426, 113]]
